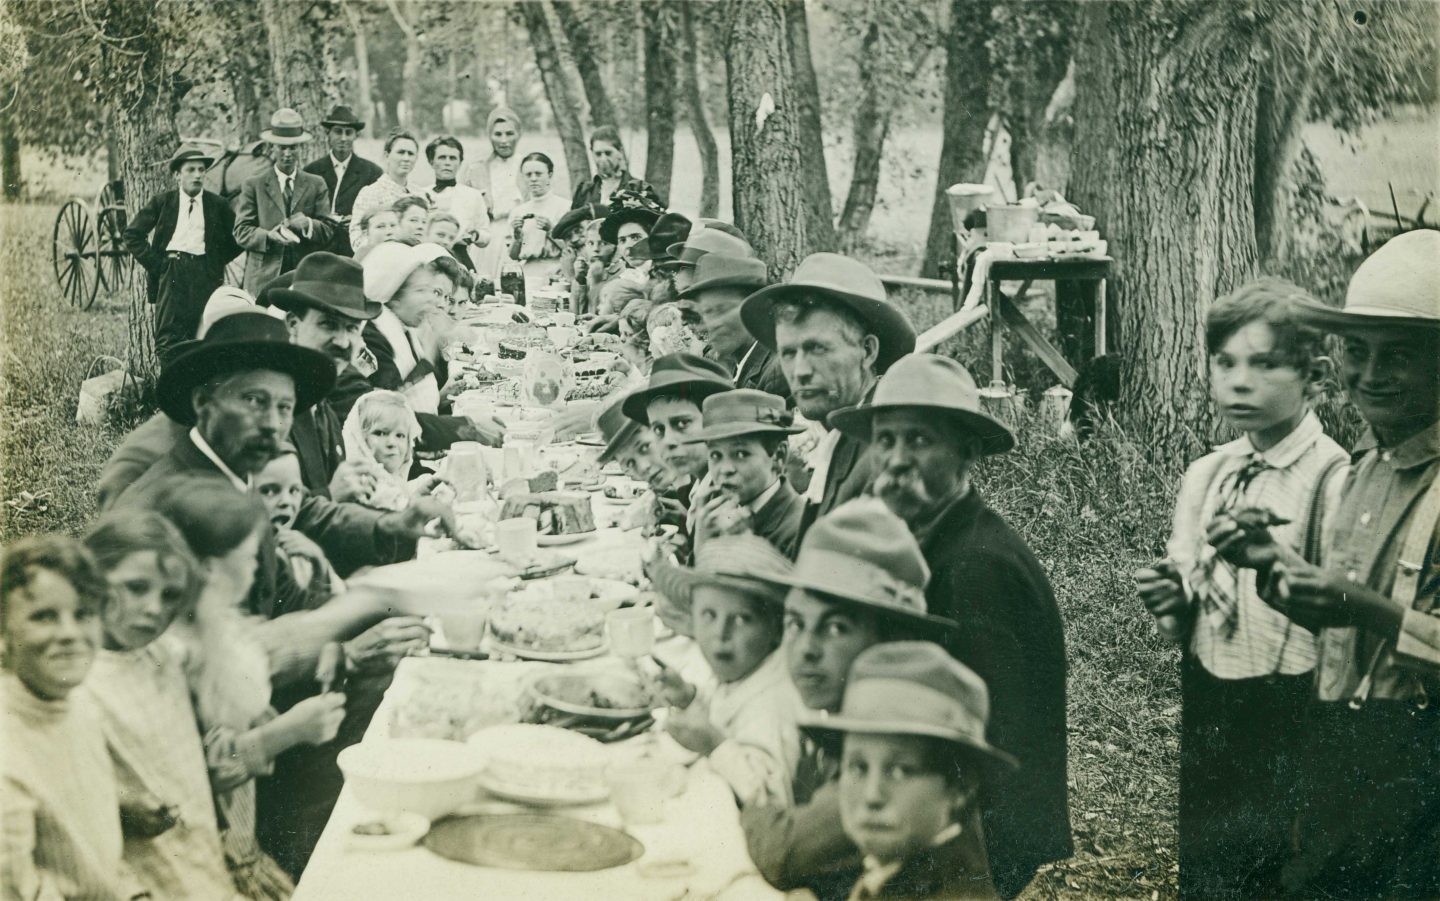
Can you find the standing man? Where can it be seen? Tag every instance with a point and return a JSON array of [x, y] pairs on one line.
[[182, 239], [721, 284], [280, 215], [835, 332], [344, 172], [926, 430]]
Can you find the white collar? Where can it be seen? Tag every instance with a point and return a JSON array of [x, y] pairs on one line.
[[205, 448], [746, 359], [1287, 450], [764, 497], [341, 164], [184, 196], [282, 176]]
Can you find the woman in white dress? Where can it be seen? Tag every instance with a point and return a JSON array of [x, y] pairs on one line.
[[401, 151], [532, 220], [497, 175]]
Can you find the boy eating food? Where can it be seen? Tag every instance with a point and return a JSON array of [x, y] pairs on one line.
[[746, 434]]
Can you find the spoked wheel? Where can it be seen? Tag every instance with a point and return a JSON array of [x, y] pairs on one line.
[[75, 254], [116, 266]]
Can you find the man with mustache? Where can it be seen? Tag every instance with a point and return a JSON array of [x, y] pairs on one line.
[[926, 430], [280, 215], [835, 332]]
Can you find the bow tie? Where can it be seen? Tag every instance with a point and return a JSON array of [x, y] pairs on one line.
[[443, 183]]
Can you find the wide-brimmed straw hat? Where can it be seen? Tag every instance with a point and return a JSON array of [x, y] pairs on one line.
[[841, 280], [669, 229], [678, 374], [342, 115], [744, 411], [188, 152], [610, 228], [913, 688], [709, 239], [327, 282], [863, 554], [723, 270], [1397, 286], [615, 427], [745, 562], [286, 127], [240, 342], [934, 384]]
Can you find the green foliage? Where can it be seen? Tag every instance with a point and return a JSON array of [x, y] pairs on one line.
[[1376, 55]]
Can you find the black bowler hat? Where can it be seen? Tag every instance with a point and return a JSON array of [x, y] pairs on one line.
[[342, 115], [323, 281], [236, 343], [671, 228]]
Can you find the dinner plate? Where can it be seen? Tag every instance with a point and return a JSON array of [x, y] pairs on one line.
[[499, 647], [550, 687], [562, 539], [591, 439], [533, 842], [522, 795]]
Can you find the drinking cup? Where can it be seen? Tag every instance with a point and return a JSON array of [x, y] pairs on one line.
[[639, 789], [516, 539], [631, 631]]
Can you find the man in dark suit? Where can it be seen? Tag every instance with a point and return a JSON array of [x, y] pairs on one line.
[[282, 213], [182, 239], [926, 430], [721, 284], [344, 172]]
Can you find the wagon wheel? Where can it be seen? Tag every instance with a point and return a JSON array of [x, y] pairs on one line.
[[116, 266], [75, 254]]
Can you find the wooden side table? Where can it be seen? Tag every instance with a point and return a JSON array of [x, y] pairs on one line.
[[1005, 311]]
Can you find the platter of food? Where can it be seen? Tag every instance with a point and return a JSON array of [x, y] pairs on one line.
[[533, 842], [535, 627], [602, 695], [542, 765]]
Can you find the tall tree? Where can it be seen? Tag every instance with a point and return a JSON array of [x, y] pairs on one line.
[[967, 64], [818, 210], [562, 105], [695, 113], [773, 202], [13, 58], [296, 58], [363, 96], [574, 21], [1030, 51], [405, 19], [661, 25], [1170, 184]]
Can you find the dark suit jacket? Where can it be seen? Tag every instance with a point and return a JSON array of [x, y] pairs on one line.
[[762, 372], [318, 445], [778, 522], [955, 871], [148, 234], [436, 432], [848, 477], [984, 576], [260, 208], [359, 173]]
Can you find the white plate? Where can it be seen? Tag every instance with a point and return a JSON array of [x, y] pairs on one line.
[[519, 744], [500, 789], [499, 647], [566, 538]]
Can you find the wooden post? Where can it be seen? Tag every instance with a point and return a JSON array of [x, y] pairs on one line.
[[997, 335], [1100, 319]]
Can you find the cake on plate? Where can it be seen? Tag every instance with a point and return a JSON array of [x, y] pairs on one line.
[[554, 512], [533, 622]]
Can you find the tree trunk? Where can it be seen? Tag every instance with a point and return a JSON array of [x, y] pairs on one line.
[[562, 106], [1170, 183], [967, 64], [695, 114], [1057, 132], [10, 155], [295, 59], [769, 155], [575, 26], [660, 35], [363, 95], [818, 211], [410, 69], [1281, 112], [872, 124]]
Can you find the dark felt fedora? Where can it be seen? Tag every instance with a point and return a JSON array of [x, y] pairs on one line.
[[913, 688], [342, 115], [610, 228], [328, 282], [615, 427], [286, 127], [721, 270], [188, 152], [745, 411], [242, 342], [843, 281], [705, 240], [695, 378], [669, 228], [937, 385]]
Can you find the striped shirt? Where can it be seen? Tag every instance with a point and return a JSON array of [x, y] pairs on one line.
[[1262, 641]]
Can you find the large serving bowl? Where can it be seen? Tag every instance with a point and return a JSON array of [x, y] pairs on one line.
[[427, 776]]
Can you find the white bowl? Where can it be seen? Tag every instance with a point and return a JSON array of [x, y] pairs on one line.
[[428, 776]]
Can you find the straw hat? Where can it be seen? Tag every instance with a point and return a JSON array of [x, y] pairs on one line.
[[286, 127], [744, 411], [849, 283], [675, 374], [746, 562], [913, 688], [934, 384], [1397, 285]]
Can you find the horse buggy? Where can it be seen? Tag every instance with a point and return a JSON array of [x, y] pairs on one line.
[[87, 243]]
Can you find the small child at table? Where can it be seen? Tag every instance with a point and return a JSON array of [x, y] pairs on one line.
[[281, 490], [913, 762], [59, 804], [746, 725], [382, 429]]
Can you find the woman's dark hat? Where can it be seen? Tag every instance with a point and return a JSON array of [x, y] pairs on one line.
[[242, 342], [669, 229], [327, 282], [576, 218], [609, 229], [342, 115], [695, 377]]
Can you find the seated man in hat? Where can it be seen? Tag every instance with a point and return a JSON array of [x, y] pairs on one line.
[[344, 172], [183, 239], [913, 760], [1370, 826], [281, 214], [835, 332], [859, 580], [721, 284], [926, 430], [746, 433]]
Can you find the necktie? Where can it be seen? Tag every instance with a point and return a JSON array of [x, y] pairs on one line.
[[1219, 581], [287, 192], [191, 213]]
